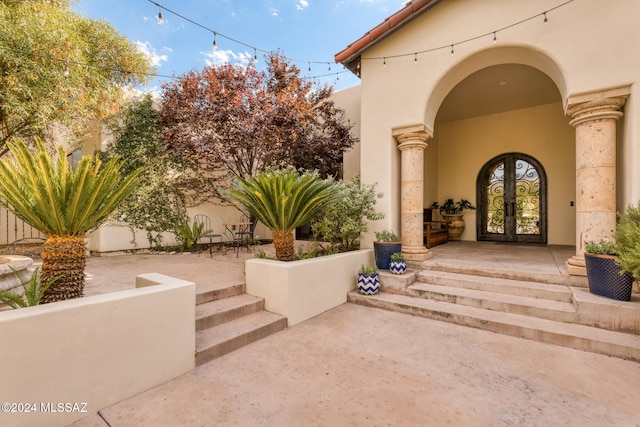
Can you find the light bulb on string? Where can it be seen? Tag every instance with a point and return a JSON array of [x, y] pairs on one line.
[[451, 50], [384, 62], [255, 54], [215, 41], [545, 18], [415, 58], [66, 70], [309, 69], [329, 64], [160, 18], [494, 37]]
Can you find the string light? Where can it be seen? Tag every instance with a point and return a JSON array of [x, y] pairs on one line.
[[493, 33], [66, 70], [384, 62], [160, 19], [216, 33], [309, 68], [215, 41], [415, 58]]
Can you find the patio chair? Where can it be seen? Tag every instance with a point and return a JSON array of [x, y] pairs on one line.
[[242, 233], [208, 231]]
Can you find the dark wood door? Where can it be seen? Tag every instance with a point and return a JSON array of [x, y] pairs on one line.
[[511, 193]]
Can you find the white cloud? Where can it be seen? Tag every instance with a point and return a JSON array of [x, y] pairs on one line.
[[219, 57], [274, 11], [302, 4], [155, 58]]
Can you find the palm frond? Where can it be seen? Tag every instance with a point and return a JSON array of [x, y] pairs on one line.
[[55, 200], [284, 199]]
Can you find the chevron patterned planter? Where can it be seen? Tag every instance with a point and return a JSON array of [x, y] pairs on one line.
[[368, 284], [398, 267]]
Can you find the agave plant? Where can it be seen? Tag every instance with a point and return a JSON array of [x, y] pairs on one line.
[[283, 200], [33, 290], [62, 204]]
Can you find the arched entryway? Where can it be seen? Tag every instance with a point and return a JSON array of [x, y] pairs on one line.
[[512, 200]]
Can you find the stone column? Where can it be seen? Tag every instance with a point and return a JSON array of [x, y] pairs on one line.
[[412, 141], [594, 117]]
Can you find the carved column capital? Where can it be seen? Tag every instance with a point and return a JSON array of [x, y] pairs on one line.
[[411, 136], [605, 105]]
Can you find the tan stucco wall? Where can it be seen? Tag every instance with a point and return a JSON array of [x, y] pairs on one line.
[[96, 350], [586, 46], [349, 100], [542, 132]]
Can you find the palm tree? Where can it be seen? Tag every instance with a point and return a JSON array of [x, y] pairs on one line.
[[283, 200], [62, 204]]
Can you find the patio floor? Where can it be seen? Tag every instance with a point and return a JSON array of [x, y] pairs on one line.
[[360, 366]]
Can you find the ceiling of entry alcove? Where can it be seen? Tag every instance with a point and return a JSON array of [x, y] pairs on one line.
[[497, 89]]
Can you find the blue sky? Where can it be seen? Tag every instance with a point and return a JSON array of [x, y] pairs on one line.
[[308, 30]]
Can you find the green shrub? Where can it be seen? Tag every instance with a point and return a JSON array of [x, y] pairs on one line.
[[627, 237], [387, 236], [397, 256], [368, 269], [603, 247], [345, 223]]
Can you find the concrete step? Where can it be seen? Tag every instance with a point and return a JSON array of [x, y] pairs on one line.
[[205, 293], [526, 306], [522, 288], [219, 340], [223, 310], [581, 337], [505, 273]]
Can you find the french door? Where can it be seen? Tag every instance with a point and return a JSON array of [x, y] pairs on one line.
[[512, 200]]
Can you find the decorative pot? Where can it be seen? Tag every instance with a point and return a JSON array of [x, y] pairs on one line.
[[455, 225], [383, 252], [398, 267], [368, 284], [603, 274]]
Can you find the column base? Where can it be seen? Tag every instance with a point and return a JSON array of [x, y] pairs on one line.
[[419, 253], [576, 266]]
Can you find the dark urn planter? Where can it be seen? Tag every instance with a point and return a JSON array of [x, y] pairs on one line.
[[605, 280], [383, 252]]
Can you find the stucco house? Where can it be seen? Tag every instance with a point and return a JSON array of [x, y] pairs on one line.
[[529, 109]]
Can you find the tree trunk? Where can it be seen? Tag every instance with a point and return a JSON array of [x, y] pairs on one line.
[[63, 256], [283, 242]]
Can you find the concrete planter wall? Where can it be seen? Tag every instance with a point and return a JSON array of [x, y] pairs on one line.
[[95, 350], [303, 289]]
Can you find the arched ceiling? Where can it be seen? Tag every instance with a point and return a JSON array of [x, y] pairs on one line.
[[496, 89]]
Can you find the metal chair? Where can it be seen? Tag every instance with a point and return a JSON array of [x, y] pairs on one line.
[[245, 229], [207, 231]]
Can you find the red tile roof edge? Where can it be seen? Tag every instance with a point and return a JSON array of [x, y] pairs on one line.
[[390, 24]]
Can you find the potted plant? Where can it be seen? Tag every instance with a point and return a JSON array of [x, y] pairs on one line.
[[627, 237], [398, 265], [452, 212], [386, 243], [606, 277], [368, 280]]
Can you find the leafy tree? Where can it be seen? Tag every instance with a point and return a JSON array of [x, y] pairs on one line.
[[236, 121], [283, 200], [62, 204], [157, 204], [59, 67], [344, 224]]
